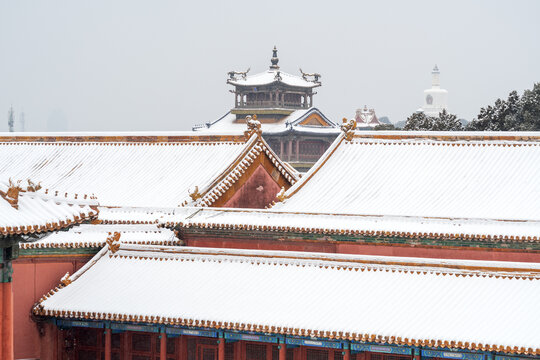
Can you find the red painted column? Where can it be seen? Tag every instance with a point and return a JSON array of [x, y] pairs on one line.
[[7, 321], [268, 351], [221, 349], [107, 344], [1, 320], [283, 351], [237, 350], [163, 346], [183, 347], [346, 354]]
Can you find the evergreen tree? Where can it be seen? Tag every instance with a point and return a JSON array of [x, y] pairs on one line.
[[443, 122], [513, 114]]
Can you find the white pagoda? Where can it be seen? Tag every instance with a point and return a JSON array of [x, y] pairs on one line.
[[435, 99]]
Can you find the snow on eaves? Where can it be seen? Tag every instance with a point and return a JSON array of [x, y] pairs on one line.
[[272, 220], [95, 235], [42, 211], [271, 76], [419, 302]]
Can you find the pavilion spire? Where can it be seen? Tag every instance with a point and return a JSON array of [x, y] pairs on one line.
[[274, 59]]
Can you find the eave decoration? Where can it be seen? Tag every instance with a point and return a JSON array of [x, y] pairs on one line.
[[348, 127]]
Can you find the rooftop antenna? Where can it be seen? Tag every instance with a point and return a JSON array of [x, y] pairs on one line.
[[11, 121]]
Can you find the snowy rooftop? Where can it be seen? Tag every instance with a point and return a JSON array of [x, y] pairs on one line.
[[41, 211], [123, 169], [419, 302], [356, 225], [95, 235], [289, 123], [438, 175], [273, 76]]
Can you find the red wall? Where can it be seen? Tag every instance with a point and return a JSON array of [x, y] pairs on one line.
[[256, 193], [363, 249], [31, 280]]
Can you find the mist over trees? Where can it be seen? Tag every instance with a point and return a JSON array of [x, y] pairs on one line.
[[513, 114]]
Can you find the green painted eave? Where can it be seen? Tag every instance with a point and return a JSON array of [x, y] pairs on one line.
[[54, 252]]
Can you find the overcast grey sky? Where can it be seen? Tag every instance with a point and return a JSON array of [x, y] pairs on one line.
[[161, 65]]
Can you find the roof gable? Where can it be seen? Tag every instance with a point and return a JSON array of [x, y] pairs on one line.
[[256, 153]]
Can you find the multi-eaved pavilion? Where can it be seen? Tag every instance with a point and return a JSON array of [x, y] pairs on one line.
[[297, 131]]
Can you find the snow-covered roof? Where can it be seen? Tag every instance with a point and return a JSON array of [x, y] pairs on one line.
[[129, 170], [95, 235], [291, 122], [424, 174], [38, 211], [272, 220], [273, 76], [389, 300]]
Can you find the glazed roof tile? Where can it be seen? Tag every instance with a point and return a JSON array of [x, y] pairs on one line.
[[127, 170], [95, 235], [271, 76], [418, 302], [354, 225], [446, 175], [41, 211], [289, 123]]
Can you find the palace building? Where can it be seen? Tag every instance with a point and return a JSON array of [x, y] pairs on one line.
[[133, 179], [393, 246], [296, 130]]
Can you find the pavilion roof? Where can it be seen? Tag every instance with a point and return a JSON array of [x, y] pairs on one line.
[[34, 211], [292, 122], [273, 76], [436, 303]]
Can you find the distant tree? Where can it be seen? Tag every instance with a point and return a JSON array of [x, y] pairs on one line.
[[447, 122], [419, 121], [384, 120], [443, 122], [384, 127], [513, 114]]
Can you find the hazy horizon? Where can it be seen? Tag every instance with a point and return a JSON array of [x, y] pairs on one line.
[[137, 65]]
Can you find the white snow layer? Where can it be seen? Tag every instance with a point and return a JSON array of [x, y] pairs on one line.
[[38, 210], [120, 174], [411, 298], [482, 179]]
